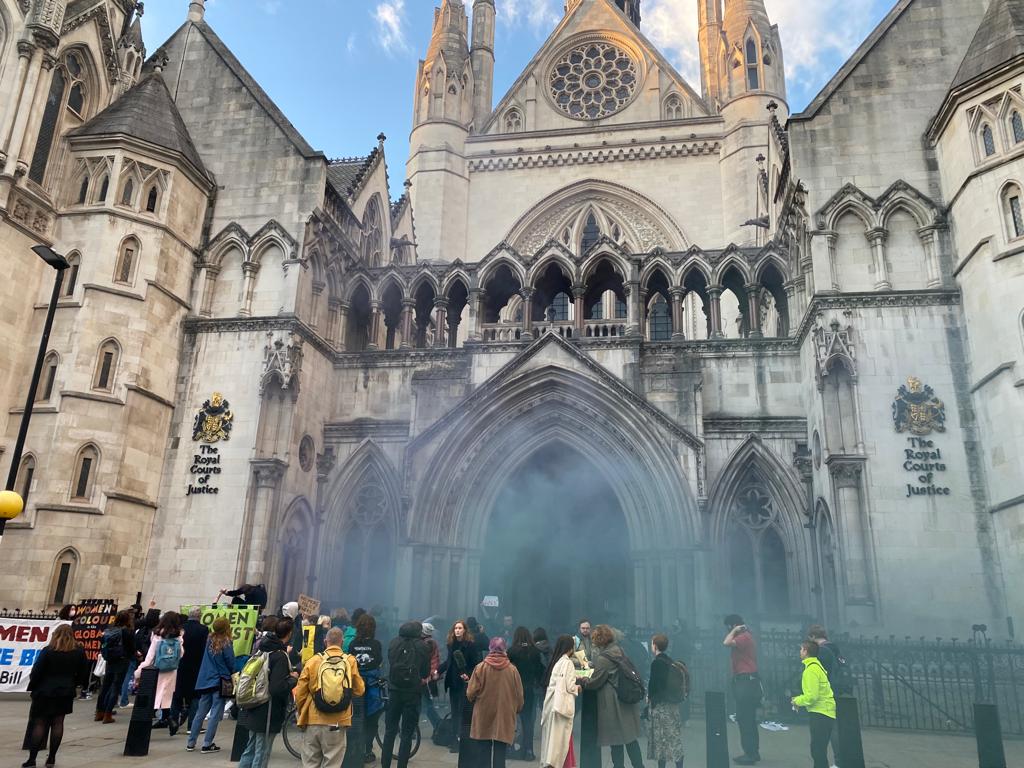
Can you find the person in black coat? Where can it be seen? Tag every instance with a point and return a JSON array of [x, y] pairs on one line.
[[526, 658], [117, 660], [59, 668], [265, 721], [409, 668], [463, 656], [194, 636]]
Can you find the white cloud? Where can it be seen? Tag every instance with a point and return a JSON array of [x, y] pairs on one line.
[[540, 15], [390, 32]]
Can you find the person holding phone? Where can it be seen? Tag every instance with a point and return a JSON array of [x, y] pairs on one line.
[[746, 684]]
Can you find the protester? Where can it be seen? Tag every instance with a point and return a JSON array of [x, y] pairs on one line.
[[323, 702], [213, 685], [817, 698], [559, 705], [247, 594], [58, 669], [165, 654], [831, 659], [264, 721], [527, 660], [369, 656], [618, 722], [480, 638], [350, 630], [508, 630], [496, 691], [540, 640], [144, 624], [266, 629], [409, 668], [340, 619], [584, 645], [746, 685], [290, 611], [117, 647], [185, 701], [462, 660], [430, 690], [667, 690]]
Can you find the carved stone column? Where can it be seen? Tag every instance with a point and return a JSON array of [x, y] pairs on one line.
[[333, 329], [314, 311], [440, 322], [715, 311], [324, 466], [343, 307], [753, 310], [527, 296], [27, 98], [847, 480], [375, 315], [249, 270], [408, 308], [207, 282], [579, 294], [930, 240], [476, 320], [25, 51], [257, 536], [632, 291], [878, 238], [678, 333]]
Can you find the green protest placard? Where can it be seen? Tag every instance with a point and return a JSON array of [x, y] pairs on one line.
[[243, 623]]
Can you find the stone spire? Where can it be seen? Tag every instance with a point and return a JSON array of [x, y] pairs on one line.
[[741, 14], [754, 51], [631, 8], [450, 35], [445, 81], [482, 59], [196, 10], [709, 37]]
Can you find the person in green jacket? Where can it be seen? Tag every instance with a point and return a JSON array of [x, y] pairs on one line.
[[818, 700]]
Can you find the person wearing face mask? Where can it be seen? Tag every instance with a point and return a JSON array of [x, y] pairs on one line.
[[462, 660]]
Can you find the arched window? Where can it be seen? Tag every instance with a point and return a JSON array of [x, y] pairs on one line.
[[63, 582], [660, 319], [104, 188], [1012, 212], [753, 78], [65, 108], [373, 235], [1017, 125], [151, 199], [621, 310], [83, 480], [673, 108], [26, 473], [559, 309], [513, 121], [988, 140], [45, 390], [126, 261], [71, 275], [106, 366], [591, 234], [128, 193], [83, 190]]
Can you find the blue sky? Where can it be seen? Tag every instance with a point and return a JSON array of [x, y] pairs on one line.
[[343, 70]]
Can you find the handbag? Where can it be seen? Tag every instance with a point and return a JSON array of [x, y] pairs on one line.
[[227, 688]]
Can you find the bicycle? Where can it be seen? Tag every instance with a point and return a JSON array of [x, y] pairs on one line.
[[379, 738]]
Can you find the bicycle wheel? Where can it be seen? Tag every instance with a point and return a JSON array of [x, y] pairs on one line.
[[290, 733]]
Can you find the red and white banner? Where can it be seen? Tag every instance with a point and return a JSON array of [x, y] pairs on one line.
[[20, 642]]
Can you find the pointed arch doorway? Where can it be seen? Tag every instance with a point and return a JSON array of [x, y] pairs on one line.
[[557, 546]]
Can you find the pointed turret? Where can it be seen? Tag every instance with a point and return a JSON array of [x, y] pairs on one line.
[[482, 58], [709, 37], [631, 8], [754, 51], [445, 82]]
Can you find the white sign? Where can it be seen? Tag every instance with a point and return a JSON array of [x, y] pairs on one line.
[[21, 640], [490, 601]]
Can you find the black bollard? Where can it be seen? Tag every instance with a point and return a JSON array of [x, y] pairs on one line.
[[590, 750], [717, 729], [355, 741], [989, 734], [851, 749], [140, 727]]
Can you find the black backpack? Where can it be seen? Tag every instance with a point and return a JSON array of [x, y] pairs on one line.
[[677, 684], [444, 733], [841, 680], [112, 645], [630, 688], [405, 668]]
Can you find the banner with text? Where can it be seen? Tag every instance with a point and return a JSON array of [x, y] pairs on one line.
[[243, 623], [92, 617], [21, 640]]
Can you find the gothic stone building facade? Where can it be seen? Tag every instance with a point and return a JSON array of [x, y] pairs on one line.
[[624, 346]]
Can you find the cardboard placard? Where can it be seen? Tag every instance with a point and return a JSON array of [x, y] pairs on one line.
[[92, 617], [490, 601], [243, 620], [308, 606]]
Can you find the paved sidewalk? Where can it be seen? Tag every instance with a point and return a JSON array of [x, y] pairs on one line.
[[92, 745]]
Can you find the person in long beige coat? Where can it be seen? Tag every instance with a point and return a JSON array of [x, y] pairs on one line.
[[618, 723], [496, 691], [559, 705]]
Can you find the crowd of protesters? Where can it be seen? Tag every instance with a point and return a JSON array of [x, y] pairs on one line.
[[321, 665]]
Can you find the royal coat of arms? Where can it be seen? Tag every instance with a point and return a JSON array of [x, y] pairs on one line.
[[917, 410], [213, 422]]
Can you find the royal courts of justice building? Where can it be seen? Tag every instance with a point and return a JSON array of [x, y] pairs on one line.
[[649, 349]]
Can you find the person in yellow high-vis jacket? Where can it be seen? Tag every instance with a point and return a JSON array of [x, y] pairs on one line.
[[818, 700]]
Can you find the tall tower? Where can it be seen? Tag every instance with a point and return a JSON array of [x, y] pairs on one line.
[[709, 36], [754, 52], [443, 108], [482, 58], [631, 8]]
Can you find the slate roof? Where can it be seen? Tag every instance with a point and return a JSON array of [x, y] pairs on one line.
[[146, 112], [999, 39], [347, 174]]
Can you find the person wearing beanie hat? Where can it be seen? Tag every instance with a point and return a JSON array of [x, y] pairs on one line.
[[496, 691], [430, 691], [409, 667]]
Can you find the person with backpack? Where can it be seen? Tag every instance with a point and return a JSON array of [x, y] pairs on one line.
[[620, 691], [409, 662], [165, 653], [144, 624], [528, 663], [496, 691], [561, 690], [369, 656], [817, 698], [212, 686], [323, 702], [669, 687], [194, 636], [834, 662], [263, 693], [462, 660], [117, 647]]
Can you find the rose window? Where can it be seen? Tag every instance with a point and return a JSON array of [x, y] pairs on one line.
[[593, 81]]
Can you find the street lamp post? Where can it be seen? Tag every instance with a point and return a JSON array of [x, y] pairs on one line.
[[59, 263]]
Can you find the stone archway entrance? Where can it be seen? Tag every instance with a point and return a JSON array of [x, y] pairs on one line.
[[557, 545]]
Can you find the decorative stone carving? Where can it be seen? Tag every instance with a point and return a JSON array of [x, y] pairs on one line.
[[833, 345], [917, 410], [31, 215], [642, 232], [594, 80], [282, 355]]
